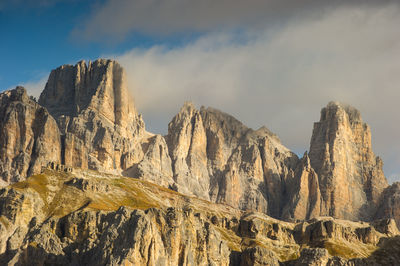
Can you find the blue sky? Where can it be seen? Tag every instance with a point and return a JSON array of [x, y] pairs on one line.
[[38, 37], [274, 63]]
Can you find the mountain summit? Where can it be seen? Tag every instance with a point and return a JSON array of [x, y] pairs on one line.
[[70, 160]]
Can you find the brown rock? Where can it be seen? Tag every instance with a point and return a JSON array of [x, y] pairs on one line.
[[258, 256]]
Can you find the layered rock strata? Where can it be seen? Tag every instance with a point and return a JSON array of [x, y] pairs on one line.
[[389, 205], [89, 218], [350, 176], [29, 136], [95, 113], [218, 158], [86, 119]]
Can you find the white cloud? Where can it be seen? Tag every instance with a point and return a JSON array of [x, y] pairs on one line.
[[35, 87], [282, 78]]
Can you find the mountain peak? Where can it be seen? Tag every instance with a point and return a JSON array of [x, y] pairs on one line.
[[337, 109], [351, 177], [99, 86]]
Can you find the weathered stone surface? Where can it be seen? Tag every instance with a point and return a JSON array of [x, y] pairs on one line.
[[79, 217], [258, 256], [29, 136], [304, 197], [89, 218], [155, 164], [216, 157], [389, 206], [187, 145], [350, 176], [95, 113]]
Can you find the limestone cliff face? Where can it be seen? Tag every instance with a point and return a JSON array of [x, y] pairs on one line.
[[187, 144], [29, 136], [224, 180], [216, 157], [350, 176], [95, 113], [304, 196]]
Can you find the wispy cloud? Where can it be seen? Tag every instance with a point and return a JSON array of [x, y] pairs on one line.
[[116, 18], [282, 78], [35, 87]]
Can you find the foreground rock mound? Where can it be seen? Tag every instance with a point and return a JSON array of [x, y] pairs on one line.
[[88, 218]]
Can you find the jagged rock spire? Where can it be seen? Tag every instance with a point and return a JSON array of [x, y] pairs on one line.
[[29, 136], [350, 175]]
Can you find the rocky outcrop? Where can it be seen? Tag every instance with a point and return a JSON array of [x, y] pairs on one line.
[[225, 178], [206, 153], [154, 164], [89, 218], [29, 136], [218, 158], [95, 113], [187, 144], [304, 196], [389, 206], [350, 176]]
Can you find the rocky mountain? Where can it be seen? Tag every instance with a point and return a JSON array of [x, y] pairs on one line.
[[79, 173], [218, 158], [340, 177], [97, 119], [351, 177]]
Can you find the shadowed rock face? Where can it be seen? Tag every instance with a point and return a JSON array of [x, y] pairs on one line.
[[304, 196], [350, 176], [29, 136], [389, 206]]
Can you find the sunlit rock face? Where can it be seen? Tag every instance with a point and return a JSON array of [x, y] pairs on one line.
[[29, 137], [90, 218], [350, 175], [89, 119], [216, 157], [95, 113], [225, 182]]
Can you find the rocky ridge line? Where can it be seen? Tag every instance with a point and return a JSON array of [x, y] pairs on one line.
[[88, 116]]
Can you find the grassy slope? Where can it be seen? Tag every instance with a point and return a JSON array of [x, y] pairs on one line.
[[61, 199]]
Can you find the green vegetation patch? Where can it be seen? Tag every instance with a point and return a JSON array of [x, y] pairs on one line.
[[349, 250], [233, 241]]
